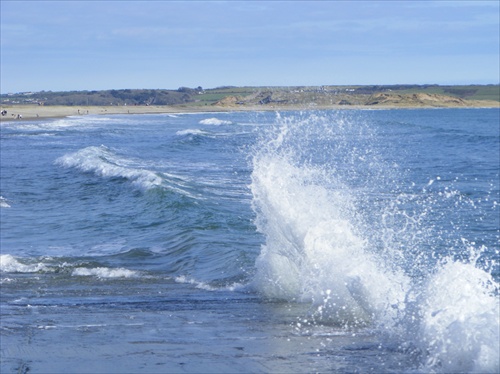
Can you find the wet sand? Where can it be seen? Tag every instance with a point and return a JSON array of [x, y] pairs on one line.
[[183, 330]]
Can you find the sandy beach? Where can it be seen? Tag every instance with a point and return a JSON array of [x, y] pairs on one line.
[[29, 112], [33, 112]]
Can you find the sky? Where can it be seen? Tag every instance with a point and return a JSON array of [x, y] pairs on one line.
[[94, 45]]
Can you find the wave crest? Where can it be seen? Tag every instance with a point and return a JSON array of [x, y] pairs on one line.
[[103, 162], [104, 272], [214, 121]]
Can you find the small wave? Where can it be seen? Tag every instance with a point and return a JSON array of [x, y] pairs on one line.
[[4, 203], [9, 264], [63, 124], [191, 132], [198, 134], [104, 272], [6, 280], [214, 121], [103, 162], [206, 286], [197, 284], [32, 134]]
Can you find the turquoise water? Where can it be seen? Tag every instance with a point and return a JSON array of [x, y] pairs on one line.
[[348, 241]]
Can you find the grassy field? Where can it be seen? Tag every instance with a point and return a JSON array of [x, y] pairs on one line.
[[211, 96], [471, 92], [304, 95]]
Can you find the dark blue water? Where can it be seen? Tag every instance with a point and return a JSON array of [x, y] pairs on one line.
[[348, 241]]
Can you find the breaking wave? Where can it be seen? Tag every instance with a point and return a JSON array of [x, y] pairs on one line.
[[191, 132], [106, 163], [214, 121], [344, 233], [4, 202], [104, 272], [103, 162], [46, 265]]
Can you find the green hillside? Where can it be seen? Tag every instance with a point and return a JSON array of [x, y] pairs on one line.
[[201, 97]]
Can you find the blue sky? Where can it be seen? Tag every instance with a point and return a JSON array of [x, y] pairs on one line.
[[93, 45]]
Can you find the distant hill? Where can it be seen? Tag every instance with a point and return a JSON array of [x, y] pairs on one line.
[[372, 96], [105, 98], [417, 95]]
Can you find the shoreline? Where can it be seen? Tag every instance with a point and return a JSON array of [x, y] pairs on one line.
[[40, 112]]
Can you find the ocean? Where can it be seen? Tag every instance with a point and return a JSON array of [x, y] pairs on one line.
[[350, 241]]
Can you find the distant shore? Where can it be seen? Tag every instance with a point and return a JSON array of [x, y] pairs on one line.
[[33, 112]]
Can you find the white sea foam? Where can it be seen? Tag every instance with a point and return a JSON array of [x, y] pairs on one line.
[[214, 121], [80, 122], [312, 251], [206, 286], [318, 249], [104, 272], [6, 280], [9, 264], [105, 163], [197, 284], [4, 203], [191, 132], [460, 320]]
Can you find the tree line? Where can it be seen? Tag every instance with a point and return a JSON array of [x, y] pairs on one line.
[[106, 97]]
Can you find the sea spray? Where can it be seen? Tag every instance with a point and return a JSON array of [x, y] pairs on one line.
[[345, 231], [459, 326], [306, 208]]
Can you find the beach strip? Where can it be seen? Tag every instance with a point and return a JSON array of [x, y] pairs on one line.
[[33, 112]]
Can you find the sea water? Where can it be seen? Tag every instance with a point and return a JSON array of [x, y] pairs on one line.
[[316, 241]]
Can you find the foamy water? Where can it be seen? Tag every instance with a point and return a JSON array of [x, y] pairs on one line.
[[318, 249], [214, 121]]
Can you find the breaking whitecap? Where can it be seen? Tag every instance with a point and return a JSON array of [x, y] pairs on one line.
[[337, 235]]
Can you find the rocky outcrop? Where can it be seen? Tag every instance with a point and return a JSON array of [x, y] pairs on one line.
[[229, 101]]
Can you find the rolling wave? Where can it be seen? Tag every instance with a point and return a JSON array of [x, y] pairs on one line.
[[106, 163]]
